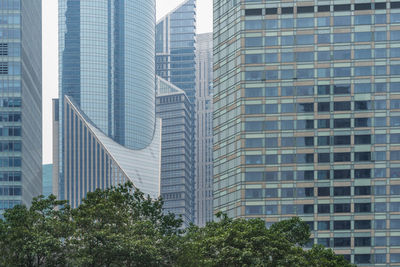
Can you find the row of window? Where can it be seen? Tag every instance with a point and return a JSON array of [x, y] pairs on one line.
[[10, 117], [10, 131], [13, 19], [9, 204], [344, 89], [323, 38], [310, 141], [320, 56], [310, 73], [309, 209], [255, 126], [11, 102], [10, 190], [6, 33], [320, 192], [10, 176], [307, 158], [10, 4], [365, 105], [311, 22], [320, 8], [10, 162], [309, 175]]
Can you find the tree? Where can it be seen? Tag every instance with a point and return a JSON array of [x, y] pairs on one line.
[[35, 236], [243, 242], [121, 227]]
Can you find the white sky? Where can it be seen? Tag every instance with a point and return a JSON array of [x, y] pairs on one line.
[[50, 56]]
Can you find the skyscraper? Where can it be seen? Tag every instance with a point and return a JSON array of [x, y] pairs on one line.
[[177, 185], [176, 48], [20, 102], [307, 119], [108, 131], [204, 133], [176, 64]]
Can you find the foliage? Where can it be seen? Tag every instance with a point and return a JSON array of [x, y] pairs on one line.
[[121, 227]]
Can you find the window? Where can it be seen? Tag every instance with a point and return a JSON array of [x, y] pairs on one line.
[[305, 175], [305, 192], [341, 208], [342, 140], [324, 191], [305, 209], [342, 174], [341, 225], [380, 241], [254, 142], [324, 241], [324, 208], [254, 176], [324, 175], [305, 107], [341, 89], [305, 141], [253, 12], [287, 176], [324, 107], [362, 156], [362, 207], [271, 108], [253, 159], [253, 59], [341, 157], [305, 158], [362, 258], [287, 192], [362, 224], [342, 191], [253, 41], [271, 142], [305, 124], [341, 54], [362, 139], [271, 209], [342, 123], [253, 210], [324, 157], [342, 20], [271, 193], [362, 190], [395, 189], [324, 124], [324, 141], [362, 122], [271, 159], [288, 209], [362, 241], [324, 225], [380, 207], [253, 193], [362, 105], [381, 224], [341, 242]]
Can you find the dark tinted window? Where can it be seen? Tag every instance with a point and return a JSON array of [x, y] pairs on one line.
[[324, 225], [366, 6], [324, 191], [341, 225], [362, 190], [362, 241], [324, 208], [324, 175], [324, 8], [324, 107], [362, 139], [342, 140], [271, 11], [324, 157], [342, 191], [253, 12], [341, 89], [395, 5], [305, 9], [342, 7], [341, 242], [341, 106], [341, 174], [342, 157], [362, 156], [380, 5], [342, 123], [287, 10], [362, 224], [341, 208], [362, 207], [362, 173]]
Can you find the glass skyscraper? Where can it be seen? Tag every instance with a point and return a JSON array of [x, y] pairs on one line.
[[177, 185], [107, 81], [176, 64], [20, 102], [307, 119]]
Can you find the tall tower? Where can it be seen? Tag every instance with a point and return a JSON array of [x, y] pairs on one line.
[[20, 102], [107, 96], [307, 117], [204, 130], [176, 65]]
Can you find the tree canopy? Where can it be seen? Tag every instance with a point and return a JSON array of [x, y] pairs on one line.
[[120, 226]]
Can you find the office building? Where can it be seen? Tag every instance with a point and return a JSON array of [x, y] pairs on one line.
[[204, 133], [108, 132], [307, 119], [20, 102], [176, 48], [177, 184], [47, 180], [176, 64]]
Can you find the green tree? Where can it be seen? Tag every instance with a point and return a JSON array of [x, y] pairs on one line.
[[121, 227], [35, 236], [249, 243]]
